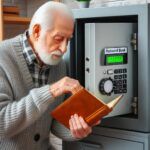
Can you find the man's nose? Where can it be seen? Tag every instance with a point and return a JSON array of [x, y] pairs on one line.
[[63, 46]]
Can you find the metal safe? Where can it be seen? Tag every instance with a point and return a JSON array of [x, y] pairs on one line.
[[109, 54], [109, 63]]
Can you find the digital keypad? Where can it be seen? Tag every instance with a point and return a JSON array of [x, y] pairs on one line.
[[120, 81]]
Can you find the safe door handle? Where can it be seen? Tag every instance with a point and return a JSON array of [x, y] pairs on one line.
[[91, 146]]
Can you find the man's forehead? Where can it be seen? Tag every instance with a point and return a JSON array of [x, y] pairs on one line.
[[62, 14], [63, 34], [63, 24], [63, 19]]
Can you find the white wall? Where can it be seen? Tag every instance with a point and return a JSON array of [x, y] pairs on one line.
[[104, 3]]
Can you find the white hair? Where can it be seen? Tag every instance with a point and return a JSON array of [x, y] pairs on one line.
[[44, 14]]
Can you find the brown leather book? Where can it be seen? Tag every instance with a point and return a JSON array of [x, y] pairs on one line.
[[84, 104]]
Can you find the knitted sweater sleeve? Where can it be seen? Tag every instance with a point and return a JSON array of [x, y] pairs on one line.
[[15, 116], [61, 131]]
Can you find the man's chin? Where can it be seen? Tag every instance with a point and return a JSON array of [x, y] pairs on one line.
[[52, 62], [56, 57]]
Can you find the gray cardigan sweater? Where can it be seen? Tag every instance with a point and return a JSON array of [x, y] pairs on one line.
[[25, 110]]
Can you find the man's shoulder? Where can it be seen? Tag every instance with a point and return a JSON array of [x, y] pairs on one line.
[[6, 46]]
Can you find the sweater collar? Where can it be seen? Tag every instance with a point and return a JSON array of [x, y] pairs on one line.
[[17, 47], [28, 51]]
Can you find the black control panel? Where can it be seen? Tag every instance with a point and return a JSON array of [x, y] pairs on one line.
[[116, 82], [120, 81]]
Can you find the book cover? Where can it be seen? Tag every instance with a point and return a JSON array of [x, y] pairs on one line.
[[85, 105]]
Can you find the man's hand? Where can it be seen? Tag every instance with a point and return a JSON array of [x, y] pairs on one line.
[[65, 85], [79, 128]]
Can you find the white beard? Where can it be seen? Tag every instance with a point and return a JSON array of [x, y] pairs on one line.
[[48, 58]]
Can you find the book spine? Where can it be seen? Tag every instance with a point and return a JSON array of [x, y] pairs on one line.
[[97, 115]]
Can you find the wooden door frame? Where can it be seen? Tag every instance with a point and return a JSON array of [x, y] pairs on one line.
[[1, 20]]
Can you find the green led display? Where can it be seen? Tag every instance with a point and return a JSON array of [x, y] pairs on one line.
[[114, 59]]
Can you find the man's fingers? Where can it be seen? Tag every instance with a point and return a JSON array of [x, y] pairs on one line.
[[75, 128], [65, 85], [76, 89], [78, 127], [85, 126]]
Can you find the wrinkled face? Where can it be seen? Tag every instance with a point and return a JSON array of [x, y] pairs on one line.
[[52, 44]]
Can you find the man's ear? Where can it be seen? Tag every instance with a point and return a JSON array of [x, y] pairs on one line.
[[36, 31]]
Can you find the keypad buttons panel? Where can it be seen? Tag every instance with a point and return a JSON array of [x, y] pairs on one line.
[[120, 81]]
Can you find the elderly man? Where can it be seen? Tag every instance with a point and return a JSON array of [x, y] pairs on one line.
[[33, 82]]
